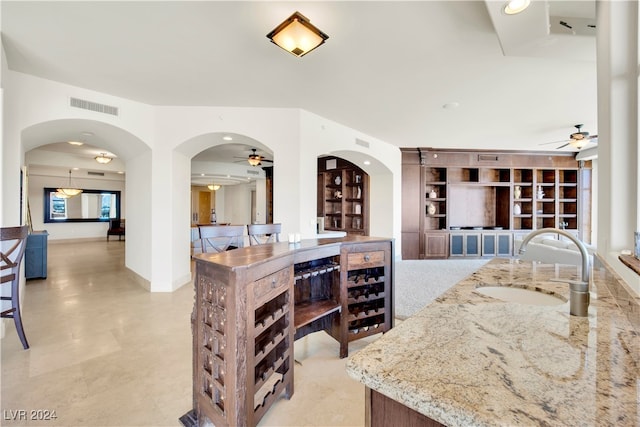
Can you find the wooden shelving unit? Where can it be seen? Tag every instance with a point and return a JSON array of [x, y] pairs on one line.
[[474, 203], [343, 196]]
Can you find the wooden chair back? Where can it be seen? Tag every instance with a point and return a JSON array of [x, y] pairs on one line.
[[13, 241], [260, 234], [219, 238]]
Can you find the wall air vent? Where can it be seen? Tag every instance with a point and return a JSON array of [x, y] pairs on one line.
[[94, 106], [362, 143], [95, 173], [487, 158]]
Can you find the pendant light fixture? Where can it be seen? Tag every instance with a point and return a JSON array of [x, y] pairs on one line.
[[297, 35], [213, 187], [103, 158], [69, 191]]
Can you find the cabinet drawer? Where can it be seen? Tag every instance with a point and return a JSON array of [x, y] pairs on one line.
[[271, 286], [360, 260]]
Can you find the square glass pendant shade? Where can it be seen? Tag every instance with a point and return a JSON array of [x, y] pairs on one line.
[[297, 35]]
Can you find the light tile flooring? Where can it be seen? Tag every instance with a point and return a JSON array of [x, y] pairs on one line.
[[105, 352]]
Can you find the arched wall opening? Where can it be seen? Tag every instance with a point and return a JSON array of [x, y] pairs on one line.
[[233, 199], [133, 159], [381, 181]]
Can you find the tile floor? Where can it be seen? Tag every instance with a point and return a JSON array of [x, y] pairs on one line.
[[105, 352]]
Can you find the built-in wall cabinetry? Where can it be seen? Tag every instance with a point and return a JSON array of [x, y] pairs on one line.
[[459, 203], [343, 196]]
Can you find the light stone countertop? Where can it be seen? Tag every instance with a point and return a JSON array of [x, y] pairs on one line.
[[469, 359]]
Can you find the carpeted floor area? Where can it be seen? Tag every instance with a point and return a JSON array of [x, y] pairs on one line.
[[418, 282]]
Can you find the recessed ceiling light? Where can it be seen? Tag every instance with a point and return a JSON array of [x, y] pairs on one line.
[[76, 169], [227, 138], [515, 6], [86, 133], [121, 172], [75, 142], [201, 174], [367, 162]]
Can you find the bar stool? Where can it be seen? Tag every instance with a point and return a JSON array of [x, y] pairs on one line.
[[220, 238], [13, 241], [260, 234]]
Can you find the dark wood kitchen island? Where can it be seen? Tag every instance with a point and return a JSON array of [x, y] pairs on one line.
[[252, 303]]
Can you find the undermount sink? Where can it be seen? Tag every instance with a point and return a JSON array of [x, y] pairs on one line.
[[520, 295]]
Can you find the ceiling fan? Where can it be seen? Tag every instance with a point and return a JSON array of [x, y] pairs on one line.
[[256, 159], [578, 139]]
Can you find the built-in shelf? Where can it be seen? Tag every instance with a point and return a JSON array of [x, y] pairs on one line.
[[307, 312], [343, 193], [496, 190]]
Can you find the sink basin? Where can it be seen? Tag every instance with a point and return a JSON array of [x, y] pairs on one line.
[[520, 295]]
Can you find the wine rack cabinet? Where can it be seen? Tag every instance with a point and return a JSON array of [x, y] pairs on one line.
[[252, 303], [243, 342], [366, 296]]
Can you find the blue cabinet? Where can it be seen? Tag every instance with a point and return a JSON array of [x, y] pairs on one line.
[[476, 244], [464, 244], [35, 255], [496, 244]]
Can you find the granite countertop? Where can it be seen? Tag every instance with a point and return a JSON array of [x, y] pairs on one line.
[[469, 359]]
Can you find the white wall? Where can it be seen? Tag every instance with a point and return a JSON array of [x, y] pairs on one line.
[[237, 204], [157, 143], [322, 137], [618, 131]]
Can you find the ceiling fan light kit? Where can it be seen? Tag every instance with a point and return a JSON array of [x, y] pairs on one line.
[[578, 140], [254, 160], [297, 35]]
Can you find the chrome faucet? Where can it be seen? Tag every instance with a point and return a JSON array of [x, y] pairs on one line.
[[578, 291]]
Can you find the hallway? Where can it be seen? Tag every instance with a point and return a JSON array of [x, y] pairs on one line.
[[105, 352]]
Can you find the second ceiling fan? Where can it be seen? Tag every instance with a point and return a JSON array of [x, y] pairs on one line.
[[256, 159], [578, 139]]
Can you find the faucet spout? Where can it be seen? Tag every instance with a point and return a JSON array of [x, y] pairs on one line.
[[579, 291]]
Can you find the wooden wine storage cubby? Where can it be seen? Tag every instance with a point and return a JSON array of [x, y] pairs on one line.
[[252, 303]]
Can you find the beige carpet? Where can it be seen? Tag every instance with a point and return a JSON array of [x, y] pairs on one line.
[[418, 282]]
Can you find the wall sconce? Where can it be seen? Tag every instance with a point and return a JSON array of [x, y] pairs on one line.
[[297, 35], [103, 159], [213, 187]]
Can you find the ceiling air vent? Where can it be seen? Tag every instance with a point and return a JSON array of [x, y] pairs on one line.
[[362, 143], [95, 173], [487, 158], [94, 106], [250, 172]]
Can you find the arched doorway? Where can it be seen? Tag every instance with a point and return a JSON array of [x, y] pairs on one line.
[[49, 154]]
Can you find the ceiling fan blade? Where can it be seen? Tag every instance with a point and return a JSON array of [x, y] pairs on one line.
[[562, 146], [267, 160], [555, 142]]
